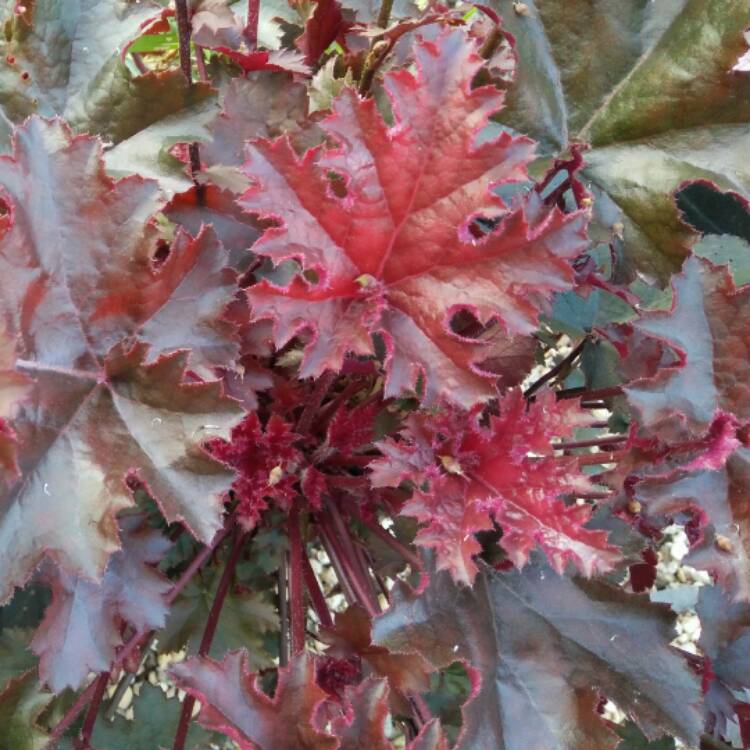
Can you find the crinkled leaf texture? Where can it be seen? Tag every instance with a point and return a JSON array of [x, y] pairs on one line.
[[542, 647], [352, 635], [683, 404], [21, 704], [154, 722], [104, 405], [390, 241], [507, 472], [81, 626], [709, 329], [233, 704], [362, 723]]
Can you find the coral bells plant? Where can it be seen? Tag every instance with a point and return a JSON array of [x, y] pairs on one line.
[[356, 362]]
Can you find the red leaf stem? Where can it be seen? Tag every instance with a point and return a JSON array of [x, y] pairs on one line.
[[253, 16], [316, 399], [296, 582], [316, 594], [183, 33], [100, 685], [583, 392], [83, 699], [338, 567], [195, 565], [210, 630], [200, 63], [134, 641], [283, 587], [356, 566], [593, 443]]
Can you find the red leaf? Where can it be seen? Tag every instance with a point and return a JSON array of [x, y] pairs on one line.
[[80, 629], [257, 106], [214, 24], [324, 26], [721, 500], [265, 461], [418, 184], [232, 703], [273, 60], [352, 429], [363, 722], [8, 459], [541, 648], [507, 472], [708, 327], [352, 635], [103, 406]]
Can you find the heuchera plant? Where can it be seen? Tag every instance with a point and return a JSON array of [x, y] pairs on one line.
[[362, 354]]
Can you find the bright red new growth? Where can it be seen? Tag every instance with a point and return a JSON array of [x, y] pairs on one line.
[[473, 476], [316, 369], [418, 184]]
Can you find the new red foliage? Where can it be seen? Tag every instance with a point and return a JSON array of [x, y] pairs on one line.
[[267, 377]]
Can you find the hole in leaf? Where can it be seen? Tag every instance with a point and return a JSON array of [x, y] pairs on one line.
[[711, 211], [479, 227], [311, 275], [337, 184], [161, 253], [464, 323]]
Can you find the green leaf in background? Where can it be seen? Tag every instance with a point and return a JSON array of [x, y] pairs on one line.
[[576, 315], [245, 619], [726, 249], [648, 84], [153, 725], [713, 211], [15, 656], [724, 219], [634, 739], [21, 704]]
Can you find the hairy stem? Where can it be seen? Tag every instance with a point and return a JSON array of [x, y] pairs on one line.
[[210, 630], [200, 63], [100, 685], [491, 42], [197, 563], [589, 394], [296, 582], [373, 61], [593, 443], [183, 33], [127, 680], [353, 562], [83, 699], [316, 594], [325, 381], [253, 16], [138, 62], [134, 641], [283, 584], [338, 567]]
